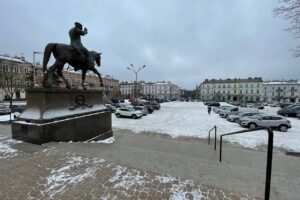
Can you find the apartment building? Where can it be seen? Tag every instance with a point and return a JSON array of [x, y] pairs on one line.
[[15, 76], [281, 91], [237, 89], [162, 90]]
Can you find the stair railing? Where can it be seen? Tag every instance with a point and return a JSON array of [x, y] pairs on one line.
[[214, 128], [269, 155]]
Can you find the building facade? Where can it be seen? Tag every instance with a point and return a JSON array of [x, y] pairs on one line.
[[162, 90], [16, 74], [283, 92], [111, 86], [247, 90]]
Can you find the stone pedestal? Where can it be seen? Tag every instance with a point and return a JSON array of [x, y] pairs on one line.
[[63, 115]]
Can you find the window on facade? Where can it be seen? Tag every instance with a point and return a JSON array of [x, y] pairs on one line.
[[257, 91], [17, 81], [16, 69], [241, 92]]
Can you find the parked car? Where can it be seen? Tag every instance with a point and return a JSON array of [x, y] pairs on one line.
[[289, 111], [218, 109], [111, 108], [282, 105], [154, 105], [272, 104], [128, 112], [241, 109], [143, 109], [226, 111], [213, 103], [258, 106], [4, 110], [18, 108], [273, 121], [236, 117]]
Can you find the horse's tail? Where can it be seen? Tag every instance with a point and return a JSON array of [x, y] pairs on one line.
[[47, 53]]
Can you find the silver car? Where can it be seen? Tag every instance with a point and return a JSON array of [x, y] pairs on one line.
[[273, 121], [236, 117]]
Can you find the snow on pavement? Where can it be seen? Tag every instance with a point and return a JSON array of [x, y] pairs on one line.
[[191, 119], [6, 149]]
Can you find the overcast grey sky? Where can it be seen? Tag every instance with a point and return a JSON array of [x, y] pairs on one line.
[[179, 41]]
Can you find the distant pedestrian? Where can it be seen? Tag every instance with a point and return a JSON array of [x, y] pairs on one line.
[[209, 110]]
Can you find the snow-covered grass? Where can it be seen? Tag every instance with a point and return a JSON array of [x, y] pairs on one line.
[[191, 119]]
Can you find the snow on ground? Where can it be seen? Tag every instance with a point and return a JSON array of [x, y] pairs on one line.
[[191, 119], [75, 170], [6, 149]]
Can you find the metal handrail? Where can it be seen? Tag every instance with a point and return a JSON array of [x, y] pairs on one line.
[[269, 155], [214, 128]]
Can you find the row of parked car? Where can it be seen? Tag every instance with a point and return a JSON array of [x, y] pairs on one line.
[[252, 118], [292, 110], [134, 109], [6, 109]]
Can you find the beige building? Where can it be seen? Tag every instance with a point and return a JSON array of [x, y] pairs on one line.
[[92, 82], [162, 90], [15, 77], [237, 89]]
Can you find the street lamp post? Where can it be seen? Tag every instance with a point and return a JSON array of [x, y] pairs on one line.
[[34, 65], [131, 68]]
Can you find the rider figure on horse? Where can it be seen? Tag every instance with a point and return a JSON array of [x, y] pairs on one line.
[[75, 37]]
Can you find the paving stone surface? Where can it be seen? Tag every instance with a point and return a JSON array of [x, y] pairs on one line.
[[52, 174]]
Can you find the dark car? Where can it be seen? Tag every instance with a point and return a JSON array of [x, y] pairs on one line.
[[213, 103], [289, 111], [155, 105], [17, 108], [282, 105]]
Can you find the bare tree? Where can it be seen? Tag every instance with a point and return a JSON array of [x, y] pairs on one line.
[[290, 11]]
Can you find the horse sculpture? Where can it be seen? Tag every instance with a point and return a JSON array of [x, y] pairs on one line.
[[67, 54]]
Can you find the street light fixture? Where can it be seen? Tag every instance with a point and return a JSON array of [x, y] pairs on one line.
[[132, 68], [34, 65]]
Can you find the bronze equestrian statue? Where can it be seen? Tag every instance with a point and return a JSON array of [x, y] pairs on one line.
[[74, 54]]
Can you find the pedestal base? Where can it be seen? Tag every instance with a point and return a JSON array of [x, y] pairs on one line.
[[79, 116]]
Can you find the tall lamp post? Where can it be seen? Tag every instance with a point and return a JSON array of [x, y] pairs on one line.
[[34, 65], [135, 71]]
